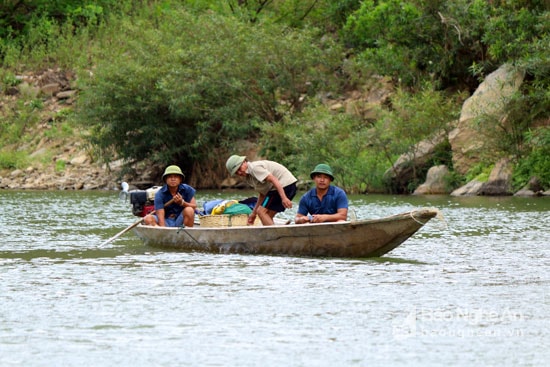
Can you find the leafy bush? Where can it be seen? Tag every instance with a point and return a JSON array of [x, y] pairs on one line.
[[20, 117], [413, 41], [536, 163], [60, 165], [13, 160], [327, 15], [414, 117], [359, 152], [318, 135], [175, 86], [447, 42], [10, 80], [480, 172], [39, 34], [45, 43], [512, 29], [15, 16]]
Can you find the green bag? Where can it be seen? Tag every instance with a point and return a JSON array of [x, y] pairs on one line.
[[237, 209]]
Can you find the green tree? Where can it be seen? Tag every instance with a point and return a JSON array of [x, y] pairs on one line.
[[414, 117], [179, 87], [417, 40], [318, 135]]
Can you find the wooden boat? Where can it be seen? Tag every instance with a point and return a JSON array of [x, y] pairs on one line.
[[361, 238]]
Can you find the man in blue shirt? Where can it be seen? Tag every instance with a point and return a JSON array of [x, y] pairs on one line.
[[181, 210], [323, 203]]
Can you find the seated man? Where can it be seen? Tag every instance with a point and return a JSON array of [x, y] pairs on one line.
[[323, 203], [180, 199]]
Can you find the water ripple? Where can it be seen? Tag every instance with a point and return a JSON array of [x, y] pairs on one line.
[[469, 291]]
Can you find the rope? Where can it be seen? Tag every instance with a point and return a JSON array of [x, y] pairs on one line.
[[353, 215], [439, 216], [182, 228]]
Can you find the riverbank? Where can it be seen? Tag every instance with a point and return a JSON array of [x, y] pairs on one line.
[[57, 156], [59, 164], [42, 149], [78, 176]]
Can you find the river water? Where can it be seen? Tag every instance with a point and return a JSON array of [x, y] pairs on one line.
[[472, 289]]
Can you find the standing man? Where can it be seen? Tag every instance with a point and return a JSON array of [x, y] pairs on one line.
[[275, 184], [323, 203], [181, 210]]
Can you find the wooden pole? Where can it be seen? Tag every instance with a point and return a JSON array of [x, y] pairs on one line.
[[131, 226]]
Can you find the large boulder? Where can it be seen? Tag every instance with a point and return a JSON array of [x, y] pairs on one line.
[[533, 188], [500, 180], [489, 99], [436, 182], [407, 165], [498, 184], [472, 188]]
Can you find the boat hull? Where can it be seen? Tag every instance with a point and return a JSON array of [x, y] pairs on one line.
[[365, 238]]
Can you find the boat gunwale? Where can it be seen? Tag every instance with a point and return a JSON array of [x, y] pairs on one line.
[[416, 215]]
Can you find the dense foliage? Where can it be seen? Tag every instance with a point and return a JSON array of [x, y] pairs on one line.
[[184, 82], [360, 154], [448, 42], [193, 83]]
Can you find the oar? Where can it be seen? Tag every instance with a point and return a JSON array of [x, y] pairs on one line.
[[131, 226]]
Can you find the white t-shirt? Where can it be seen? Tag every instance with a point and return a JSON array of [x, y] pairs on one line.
[[259, 170]]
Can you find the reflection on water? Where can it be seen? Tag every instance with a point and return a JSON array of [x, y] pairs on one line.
[[468, 291]]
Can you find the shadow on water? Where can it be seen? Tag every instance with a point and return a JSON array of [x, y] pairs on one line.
[[394, 260], [110, 252], [347, 260]]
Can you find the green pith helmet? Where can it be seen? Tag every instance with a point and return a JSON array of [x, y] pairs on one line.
[[234, 162], [322, 168], [172, 170]]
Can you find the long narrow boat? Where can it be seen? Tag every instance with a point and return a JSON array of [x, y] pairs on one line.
[[361, 238]]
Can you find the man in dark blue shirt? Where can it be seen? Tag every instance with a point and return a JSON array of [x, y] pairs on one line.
[[180, 199], [323, 203]]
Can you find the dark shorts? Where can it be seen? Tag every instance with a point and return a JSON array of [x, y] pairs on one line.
[[273, 200]]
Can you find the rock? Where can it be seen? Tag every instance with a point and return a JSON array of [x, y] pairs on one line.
[[12, 91], [233, 183], [80, 160], [489, 99], [50, 89], [500, 180], [406, 165], [114, 164], [534, 184], [533, 188], [16, 173], [55, 76], [39, 152], [472, 188], [337, 107], [525, 193], [436, 182], [66, 94]]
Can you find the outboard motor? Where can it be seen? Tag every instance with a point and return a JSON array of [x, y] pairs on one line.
[[142, 200]]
